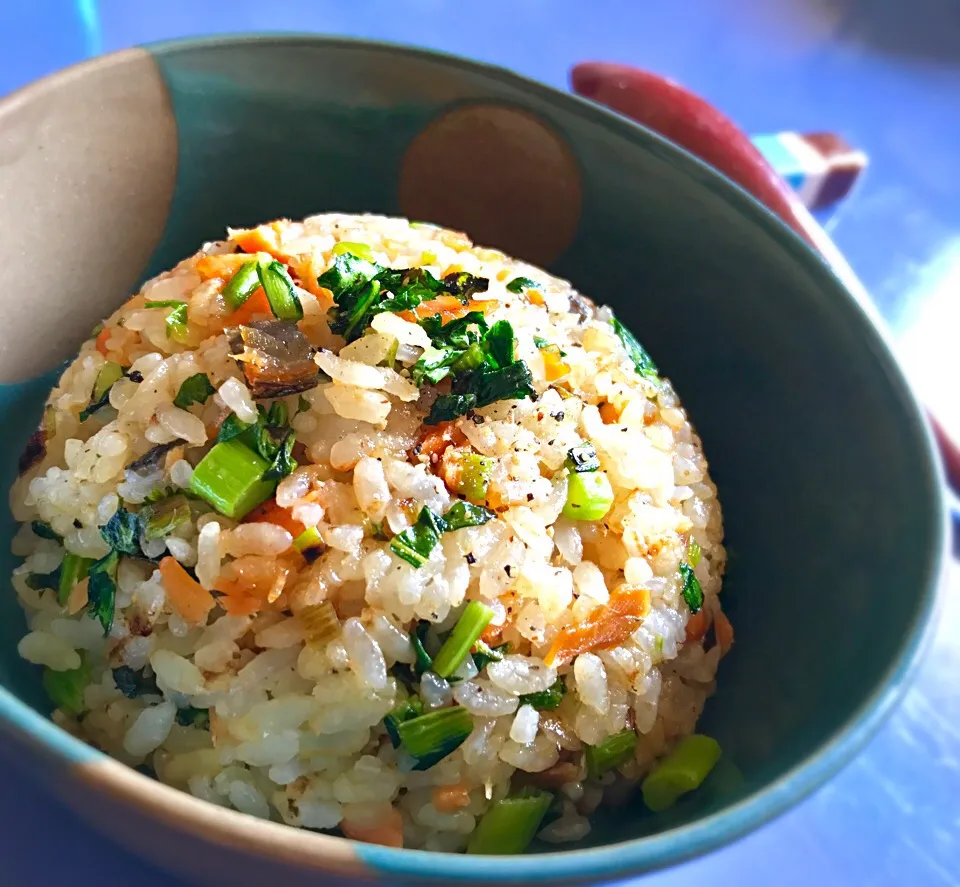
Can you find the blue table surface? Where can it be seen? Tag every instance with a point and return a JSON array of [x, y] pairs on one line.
[[885, 74]]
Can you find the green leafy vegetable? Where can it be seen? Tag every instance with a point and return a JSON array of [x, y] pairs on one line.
[[482, 387], [474, 619], [283, 462], [280, 291], [548, 699], [691, 590], [242, 285], [410, 708], [102, 590], [73, 569], [417, 641], [109, 373], [65, 688], [44, 531], [583, 458], [460, 333], [415, 543], [681, 771], [231, 478], [519, 284], [611, 753], [642, 362], [135, 683], [122, 532], [195, 389], [193, 717], [431, 737], [463, 285], [232, 427], [176, 320], [484, 654], [510, 824], [499, 343], [464, 514]]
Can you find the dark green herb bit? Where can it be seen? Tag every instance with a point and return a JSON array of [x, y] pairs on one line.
[[44, 531], [475, 618], [583, 458], [480, 388], [431, 737], [463, 285], [415, 543], [642, 361], [109, 373], [242, 285], [102, 590], [195, 389], [611, 753], [280, 291], [283, 463], [122, 532], [410, 288], [681, 771], [460, 333], [464, 514], [417, 638], [500, 344], [484, 654], [135, 683], [232, 427], [176, 320], [691, 590], [410, 708], [65, 688], [193, 717], [355, 294], [511, 824], [548, 699], [72, 570], [540, 342], [303, 405], [519, 284]]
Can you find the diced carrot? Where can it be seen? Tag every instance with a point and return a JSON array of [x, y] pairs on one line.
[[724, 631], [102, 337], [388, 830], [534, 297], [448, 307], [271, 513], [697, 626], [609, 413], [607, 626], [224, 266], [435, 439], [491, 635], [451, 798], [240, 604], [554, 366], [262, 239], [255, 306], [187, 596]]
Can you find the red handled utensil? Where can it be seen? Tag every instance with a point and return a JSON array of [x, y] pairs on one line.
[[697, 126]]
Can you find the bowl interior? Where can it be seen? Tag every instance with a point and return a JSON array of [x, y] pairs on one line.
[[822, 462]]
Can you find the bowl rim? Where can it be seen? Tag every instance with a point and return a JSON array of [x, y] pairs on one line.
[[328, 853]]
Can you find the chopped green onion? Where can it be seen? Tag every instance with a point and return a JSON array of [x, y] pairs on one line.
[[589, 496], [691, 590], [474, 619], [612, 752], [309, 538], [431, 737], [230, 478], [195, 389], [583, 458], [540, 342], [417, 638], [135, 683], [415, 543], [109, 373], [176, 320], [303, 405], [548, 699], [519, 284], [193, 717], [463, 514], [102, 590], [511, 824], [681, 771], [158, 523], [44, 531], [484, 654], [73, 569], [694, 552], [360, 250], [281, 293], [475, 471], [65, 688], [242, 285], [642, 362], [410, 708]]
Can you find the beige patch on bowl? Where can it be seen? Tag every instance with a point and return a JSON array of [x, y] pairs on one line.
[[88, 162], [498, 173]]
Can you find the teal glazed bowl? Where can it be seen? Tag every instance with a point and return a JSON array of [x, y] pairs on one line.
[[117, 168]]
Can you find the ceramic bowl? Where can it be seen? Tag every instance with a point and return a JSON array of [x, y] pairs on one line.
[[115, 169]]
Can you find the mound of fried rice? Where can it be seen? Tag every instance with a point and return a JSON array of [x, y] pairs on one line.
[[257, 674]]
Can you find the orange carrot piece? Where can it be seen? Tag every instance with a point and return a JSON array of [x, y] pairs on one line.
[[606, 626], [554, 366], [451, 798], [533, 297], [187, 596], [435, 439], [724, 631], [262, 239], [630, 600], [697, 626], [448, 307], [609, 413], [271, 513], [255, 306], [102, 337], [240, 604], [387, 831], [491, 635]]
